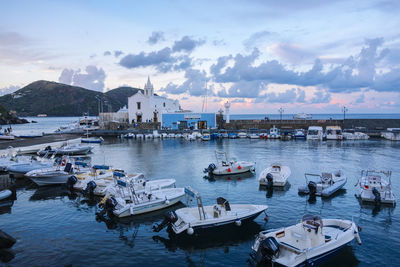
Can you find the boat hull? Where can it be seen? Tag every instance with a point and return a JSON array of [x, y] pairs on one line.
[[219, 171], [50, 180]]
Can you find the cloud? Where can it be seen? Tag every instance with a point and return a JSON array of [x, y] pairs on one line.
[[147, 59], [156, 37], [247, 89], [256, 38], [93, 79], [321, 97], [9, 89], [292, 53], [186, 44], [117, 53], [194, 84], [220, 42], [107, 53]]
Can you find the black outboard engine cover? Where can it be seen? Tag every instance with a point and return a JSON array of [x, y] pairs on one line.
[[312, 188], [268, 248], [377, 196], [71, 181], [169, 218], [47, 148], [110, 204], [90, 188], [270, 179], [210, 168]]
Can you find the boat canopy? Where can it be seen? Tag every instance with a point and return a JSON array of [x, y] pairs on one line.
[[312, 221]]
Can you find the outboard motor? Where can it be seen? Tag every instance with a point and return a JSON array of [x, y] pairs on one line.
[[71, 182], [90, 188], [210, 168], [47, 148], [312, 188], [270, 180], [377, 196], [169, 217], [268, 248]]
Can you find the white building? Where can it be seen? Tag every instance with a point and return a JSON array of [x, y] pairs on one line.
[[147, 107]]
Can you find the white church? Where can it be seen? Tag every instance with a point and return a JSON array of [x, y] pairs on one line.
[[147, 107]]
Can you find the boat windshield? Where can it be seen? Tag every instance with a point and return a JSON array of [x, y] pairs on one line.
[[312, 132], [314, 221]]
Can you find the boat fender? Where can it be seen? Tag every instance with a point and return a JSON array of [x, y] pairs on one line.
[[190, 231], [167, 202], [229, 170], [71, 182], [359, 228], [239, 167], [238, 222]]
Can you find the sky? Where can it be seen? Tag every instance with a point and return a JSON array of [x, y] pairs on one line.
[[308, 56]]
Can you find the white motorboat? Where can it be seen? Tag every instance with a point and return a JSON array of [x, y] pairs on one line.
[[376, 187], [6, 193], [141, 201], [164, 135], [171, 135], [51, 176], [227, 167], [299, 134], [334, 133], [20, 165], [206, 136], [274, 133], [274, 175], [324, 184], [148, 136], [315, 133], [128, 136], [392, 134], [139, 136], [191, 220], [355, 136], [66, 149], [156, 134], [308, 243], [254, 136], [242, 134]]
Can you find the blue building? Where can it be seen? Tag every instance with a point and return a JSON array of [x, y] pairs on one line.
[[180, 121]]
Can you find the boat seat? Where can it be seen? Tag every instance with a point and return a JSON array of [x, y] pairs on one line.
[[290, 247]]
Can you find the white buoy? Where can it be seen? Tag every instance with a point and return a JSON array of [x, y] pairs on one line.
[[238, 222], [190, 231], [167, 201]]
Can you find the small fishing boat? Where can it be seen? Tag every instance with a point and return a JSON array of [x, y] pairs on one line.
[[226, 167], [274, 175], [376, 187], [324, 185], [51, 176], [274, 133], [302, 116], [139, 136], [129, 202], [299, 134], [191, 220], [315, 133], [308, 243], [392, 134], [148, 136], [171, 135], [5, 194]]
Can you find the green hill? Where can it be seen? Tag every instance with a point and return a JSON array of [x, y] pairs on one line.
[[57, 99]]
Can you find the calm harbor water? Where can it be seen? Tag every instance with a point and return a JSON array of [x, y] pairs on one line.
[[54, 227]]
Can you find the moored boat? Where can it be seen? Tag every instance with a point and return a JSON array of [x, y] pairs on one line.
[[224, 166], [376, 187], [200, 219], [274, 175], [325, 184], [308, 243]]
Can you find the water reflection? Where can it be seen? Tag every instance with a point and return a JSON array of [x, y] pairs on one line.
[[274, 190], [52, 192]]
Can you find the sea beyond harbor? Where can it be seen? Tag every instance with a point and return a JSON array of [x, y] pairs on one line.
[[54, 226]]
